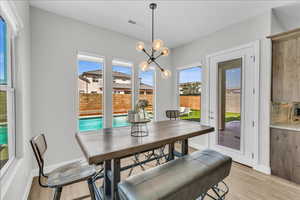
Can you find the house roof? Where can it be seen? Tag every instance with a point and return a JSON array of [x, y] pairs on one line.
[[98, 74]]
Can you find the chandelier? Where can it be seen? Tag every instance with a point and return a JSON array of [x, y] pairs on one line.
[[155, 52]]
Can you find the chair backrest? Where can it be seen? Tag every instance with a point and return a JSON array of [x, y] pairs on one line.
[[39, 147], [182, 109], [172, 114]]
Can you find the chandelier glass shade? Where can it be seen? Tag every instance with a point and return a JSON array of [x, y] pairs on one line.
[[157, 50]]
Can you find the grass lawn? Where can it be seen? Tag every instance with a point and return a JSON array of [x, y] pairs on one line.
[[196, 114]]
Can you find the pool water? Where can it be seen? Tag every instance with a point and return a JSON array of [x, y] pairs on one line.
[[96, 123], [3, 134]]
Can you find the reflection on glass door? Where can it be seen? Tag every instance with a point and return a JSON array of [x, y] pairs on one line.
[[229, 103], [190, 83]]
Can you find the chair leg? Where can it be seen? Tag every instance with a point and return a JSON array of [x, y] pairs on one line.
[[57, 193], [91, 188]]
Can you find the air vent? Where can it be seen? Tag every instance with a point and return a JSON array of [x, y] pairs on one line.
[[131, 22]]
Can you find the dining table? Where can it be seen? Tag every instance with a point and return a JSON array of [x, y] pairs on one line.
[[109, 145]]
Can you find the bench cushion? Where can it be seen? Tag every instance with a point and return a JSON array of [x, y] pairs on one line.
[[185, 178]]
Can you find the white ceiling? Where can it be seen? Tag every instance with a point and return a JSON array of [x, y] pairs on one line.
[[177, 22]]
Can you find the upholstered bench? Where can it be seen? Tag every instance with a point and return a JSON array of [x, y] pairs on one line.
[[188, 177]]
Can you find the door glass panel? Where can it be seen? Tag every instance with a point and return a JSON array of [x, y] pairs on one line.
[[229, 101], [190, 82]]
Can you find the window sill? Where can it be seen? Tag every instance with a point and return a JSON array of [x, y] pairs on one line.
[[8, 175], [7, 167]]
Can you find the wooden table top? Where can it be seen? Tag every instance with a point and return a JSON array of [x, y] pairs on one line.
[[110, 143]]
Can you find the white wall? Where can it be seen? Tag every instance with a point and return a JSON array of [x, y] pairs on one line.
[[55, 43], [253, 29], [285, 18], [14, 184]]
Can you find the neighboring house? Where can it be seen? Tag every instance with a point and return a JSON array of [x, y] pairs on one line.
[[233, 90], [92, 82], [190, 88]]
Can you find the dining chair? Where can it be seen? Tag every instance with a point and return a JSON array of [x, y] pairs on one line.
[[173, 114], [62, 176]]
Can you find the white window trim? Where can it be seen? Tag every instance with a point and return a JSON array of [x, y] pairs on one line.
[[124, 63], [9, 12], [198, 64], [92, 57], [151, 68], [10, 91]]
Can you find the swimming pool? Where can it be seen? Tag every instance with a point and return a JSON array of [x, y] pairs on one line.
[[3, 134], [96, 123], [85, 124]]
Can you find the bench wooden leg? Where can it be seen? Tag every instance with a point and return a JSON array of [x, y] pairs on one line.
[[116, 177], [57, 193]]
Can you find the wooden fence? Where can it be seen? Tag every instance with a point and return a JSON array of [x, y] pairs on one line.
[[194, 102], [91, 104]]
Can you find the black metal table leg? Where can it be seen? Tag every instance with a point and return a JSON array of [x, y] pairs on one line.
[[57, 193], [184, 147], [107, 182], [115, 178], [171, 152], [91, 188]]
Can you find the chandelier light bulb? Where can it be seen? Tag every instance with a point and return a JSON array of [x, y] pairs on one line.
[[157, 44], [144, 66], [140, 46], [165, 51], [166, 74]]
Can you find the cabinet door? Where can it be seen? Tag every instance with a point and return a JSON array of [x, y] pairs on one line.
[[295, 157], [281, 152]]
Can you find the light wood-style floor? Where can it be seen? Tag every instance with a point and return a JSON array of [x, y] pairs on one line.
[[244, 184]]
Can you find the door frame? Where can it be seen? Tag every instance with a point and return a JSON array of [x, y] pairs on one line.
[[256, 59]]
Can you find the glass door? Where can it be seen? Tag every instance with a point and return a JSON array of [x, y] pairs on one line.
[[234, 104], [229, 101]]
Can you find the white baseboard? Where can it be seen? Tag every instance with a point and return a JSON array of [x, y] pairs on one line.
[[49, 168], [28, 186], [197, 146], [263, 169]]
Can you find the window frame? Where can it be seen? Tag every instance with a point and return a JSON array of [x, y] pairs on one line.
[[151, 68], [128, 64], [186, 67], [10, 96], [91, 57]]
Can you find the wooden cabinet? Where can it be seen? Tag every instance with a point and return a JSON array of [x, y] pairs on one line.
[[285, 144], [285, 154], [286, 67]]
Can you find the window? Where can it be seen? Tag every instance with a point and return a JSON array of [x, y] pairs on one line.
[[7, 112], [146, 89], [90, 89], [122, 92], [190, 82]]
